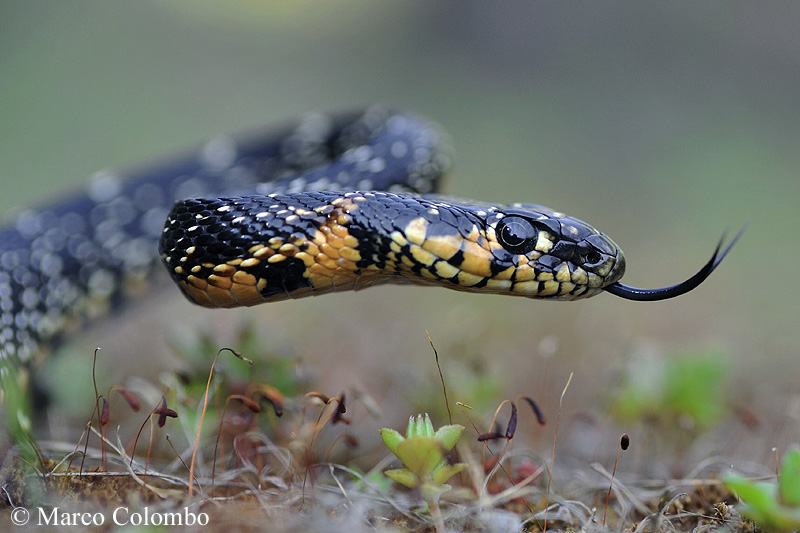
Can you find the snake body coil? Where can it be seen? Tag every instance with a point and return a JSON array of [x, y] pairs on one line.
[[332, 202]]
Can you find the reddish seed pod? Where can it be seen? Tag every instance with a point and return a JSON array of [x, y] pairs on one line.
[[247, 402], [536, 410], [163, 412], [338, 416], [131, 398], [104, 412], [277, 407], [512, 422], [270, 394], [483, 437]]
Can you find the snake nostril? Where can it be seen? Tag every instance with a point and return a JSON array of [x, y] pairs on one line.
[[592, 258]]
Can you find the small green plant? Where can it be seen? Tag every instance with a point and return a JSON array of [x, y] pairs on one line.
[[688, 387], [774, 506], [15, 411], [423, 452]]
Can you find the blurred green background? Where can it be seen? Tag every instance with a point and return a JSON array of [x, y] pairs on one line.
[[662, 124]]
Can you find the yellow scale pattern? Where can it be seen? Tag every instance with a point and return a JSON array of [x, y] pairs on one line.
[[330, 258], [434, 254], [463, 260]]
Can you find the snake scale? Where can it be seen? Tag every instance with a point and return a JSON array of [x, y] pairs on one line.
[[329, 202]]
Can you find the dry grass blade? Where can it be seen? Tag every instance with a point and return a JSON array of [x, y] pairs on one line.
[[203, 413]]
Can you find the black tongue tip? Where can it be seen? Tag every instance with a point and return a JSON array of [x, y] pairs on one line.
[[653, 295]]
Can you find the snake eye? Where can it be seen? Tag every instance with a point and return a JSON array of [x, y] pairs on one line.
[[517, 235]]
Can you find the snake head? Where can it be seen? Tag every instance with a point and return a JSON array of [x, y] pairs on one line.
[[569, 258], [552, 255], [581, 260], [520, 249]]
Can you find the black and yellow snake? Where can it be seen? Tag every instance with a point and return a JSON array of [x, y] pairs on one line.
[[330, 202]]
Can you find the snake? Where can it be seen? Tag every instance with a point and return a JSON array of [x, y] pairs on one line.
[[326, 202]]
